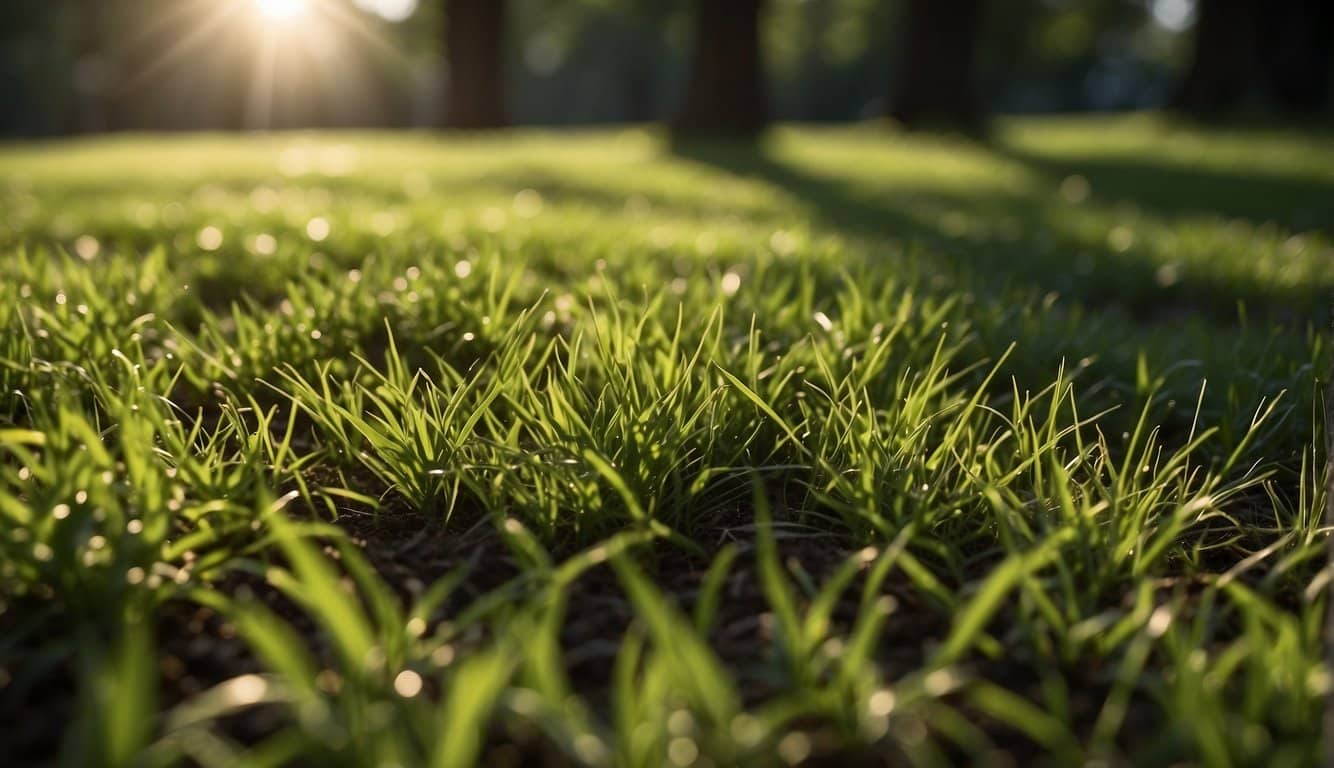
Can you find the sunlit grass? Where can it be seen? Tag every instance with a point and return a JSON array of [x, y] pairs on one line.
[[853, 444]]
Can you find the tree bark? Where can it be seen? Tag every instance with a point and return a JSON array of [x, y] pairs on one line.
[[474, 39], [1247, 49], [935, 82], [1222, 67], [1296, 38], [725, 88]]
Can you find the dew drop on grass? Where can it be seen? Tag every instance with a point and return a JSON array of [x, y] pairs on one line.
[[265, 245], [329, 681], [443, 656], [243, 691], [682, 751], [590, 748], [783, 243], [1121, 239], [1160, 621], [525, 702], [913, 731], [881, 703], [318, 229], [681, 722], [87, 247], [527, 203], [209, 238], [1167, 275], [940, 682], [1075, 189], [746, 730], [794, 748], [408, 684]]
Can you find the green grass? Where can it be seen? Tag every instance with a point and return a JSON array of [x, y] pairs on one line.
[[373, 449]]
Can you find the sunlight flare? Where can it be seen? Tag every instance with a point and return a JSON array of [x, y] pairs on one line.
[[282, 11]]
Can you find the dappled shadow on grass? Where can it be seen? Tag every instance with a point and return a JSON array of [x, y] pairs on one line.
[[1178, 189], [1030, 239]]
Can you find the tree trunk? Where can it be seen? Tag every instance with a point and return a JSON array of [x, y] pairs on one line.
[[725, 89], [1222, 67], [474, 36], [936, 77], [1279, 49], [1295, 42]]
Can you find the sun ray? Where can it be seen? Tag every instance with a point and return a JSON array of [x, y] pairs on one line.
[[355, 23], [259, 104], [272, 26], [201, 33], [282, 11]]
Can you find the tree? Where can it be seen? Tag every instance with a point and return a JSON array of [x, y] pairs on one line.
[[1222, 66], [1279, 49], [1296, 39], [474, 39], [725, 87], [935, 82]]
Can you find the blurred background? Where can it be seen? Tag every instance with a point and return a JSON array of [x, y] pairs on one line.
[[82, 66]]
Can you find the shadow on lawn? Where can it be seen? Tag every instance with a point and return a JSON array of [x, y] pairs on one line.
[[1175, 189], [1025, 238]]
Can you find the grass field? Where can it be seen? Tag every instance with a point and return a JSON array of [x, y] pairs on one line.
[[854, 448]]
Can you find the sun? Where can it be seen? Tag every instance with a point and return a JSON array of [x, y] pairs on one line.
[[281, 10]]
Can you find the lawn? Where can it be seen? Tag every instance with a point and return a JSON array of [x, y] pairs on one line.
[[579, 448]]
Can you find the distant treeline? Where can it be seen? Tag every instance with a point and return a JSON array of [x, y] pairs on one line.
[[77, 66]]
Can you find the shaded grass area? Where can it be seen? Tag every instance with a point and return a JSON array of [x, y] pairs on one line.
[[848, 448]]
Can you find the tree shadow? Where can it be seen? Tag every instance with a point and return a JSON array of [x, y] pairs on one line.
[[1021, 239], [1177, 188]]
